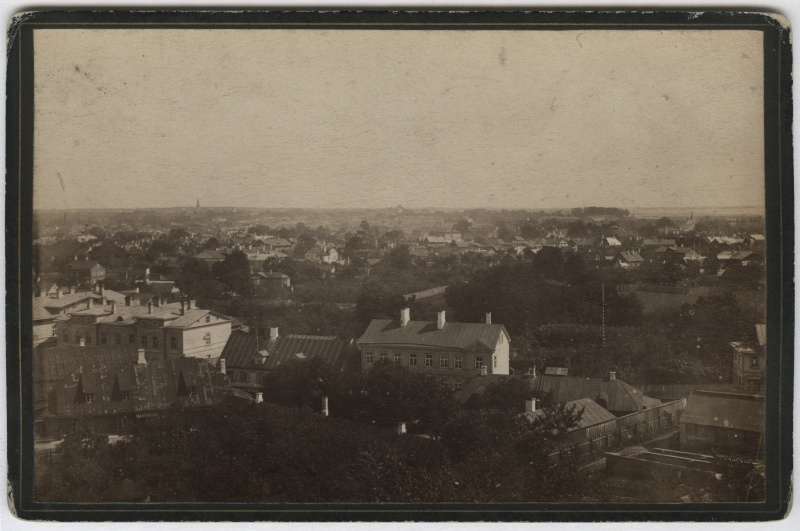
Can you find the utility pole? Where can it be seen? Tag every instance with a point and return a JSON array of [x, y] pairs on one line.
[[603, 315]]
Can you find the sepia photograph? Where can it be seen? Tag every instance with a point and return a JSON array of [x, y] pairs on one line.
[[403, 262]]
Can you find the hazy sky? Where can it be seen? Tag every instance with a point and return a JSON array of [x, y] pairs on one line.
[[307, 118]]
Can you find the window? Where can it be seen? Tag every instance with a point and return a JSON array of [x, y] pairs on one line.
[[54, 330], [117, 339], [121, 423], [173, 343], [369, 358], [382, 356], [754, 362], [89, 398], [458, 361], [131, 339], [126, 395], [429, 360], [155, 341], [208, 318], [412, 360], [478, 362], [495, 361], [143, 341], [444, 361], [88, 339], [102, 339], [207, 338], [459, 383], [398, 358]]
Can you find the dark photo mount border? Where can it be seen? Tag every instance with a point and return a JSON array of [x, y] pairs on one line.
[[779, 212]]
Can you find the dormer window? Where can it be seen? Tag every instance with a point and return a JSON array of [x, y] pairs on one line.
[[89, 398], [208, 318]]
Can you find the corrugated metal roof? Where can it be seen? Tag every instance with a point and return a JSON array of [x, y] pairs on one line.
[[466, 336], [725, 410], [241, 350]]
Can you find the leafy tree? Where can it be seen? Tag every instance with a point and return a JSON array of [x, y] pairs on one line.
[[739, 480], [376, 302], [234, 272], [463, 225], [211, 244], [399, 257]]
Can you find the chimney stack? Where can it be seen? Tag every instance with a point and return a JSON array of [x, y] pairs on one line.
[[136, 289], [141, 359], [488, 317], [440, 320], [71, 290], [222, 366], [401, 428], [149, 306], [405, 316], [58, 292], [157, 301], [324, 406], [89, 303], [101, 289], [273, 332], [484, 370], [113, 307], [82, 341], [530, 405], [183, 311], [192, 303], [259, 397], [127, 300], [612, 375]]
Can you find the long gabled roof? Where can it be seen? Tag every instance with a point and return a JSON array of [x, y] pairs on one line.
[[463, 336], [725, 410], [619, 396], [243, 351], [592, 413]]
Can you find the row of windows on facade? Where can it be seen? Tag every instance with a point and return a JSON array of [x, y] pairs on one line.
[[131, 340], [444, 360]]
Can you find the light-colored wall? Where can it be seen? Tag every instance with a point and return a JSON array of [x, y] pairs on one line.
[[193, 341], [42, 331]]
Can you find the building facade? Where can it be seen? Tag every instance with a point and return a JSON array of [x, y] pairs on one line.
[[453, 352], [168, 330]]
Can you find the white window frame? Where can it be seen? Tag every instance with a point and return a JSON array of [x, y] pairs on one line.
[[369, 358], [458, 361], [428, 360], [398, 357], [444, 361], [412, 360], [478, 362]]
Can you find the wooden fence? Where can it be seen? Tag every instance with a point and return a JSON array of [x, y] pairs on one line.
[[622, 430]]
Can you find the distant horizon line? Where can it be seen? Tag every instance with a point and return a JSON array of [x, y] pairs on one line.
[[457, 209]]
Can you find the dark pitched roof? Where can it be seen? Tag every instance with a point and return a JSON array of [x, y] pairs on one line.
[[725, 410], [592, 413], [241, 350], [465, 336], [557, 371], [157, 385], [619, 396]]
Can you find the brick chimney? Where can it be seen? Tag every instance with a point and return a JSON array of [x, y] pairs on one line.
[[141, 358], [488, 317], [82, 341], [136, 289], [324, 406], [405, 316], [222, 366], [71, 290], [259, 397], [440, 320], [90, 303], [149, 306], [183, 304], [484, 370], [273, 332], [401, 428], [58, 293], [113, 307], [127, 300], [100, 289], [530, 405], [612, 375]]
